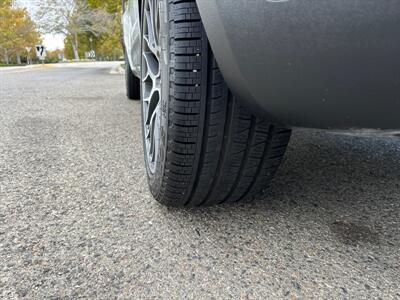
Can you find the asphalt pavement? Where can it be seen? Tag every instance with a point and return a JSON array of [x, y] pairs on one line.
[[77, 220]]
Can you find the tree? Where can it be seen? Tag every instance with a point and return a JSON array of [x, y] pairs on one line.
[[111, 6], [17, 31], [110, 45], [73, 17], [6, 3], [107, 44]]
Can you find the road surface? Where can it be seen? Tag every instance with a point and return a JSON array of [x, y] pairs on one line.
[[77, 220]]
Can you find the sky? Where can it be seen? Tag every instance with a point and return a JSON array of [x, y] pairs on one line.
[[50, 41]]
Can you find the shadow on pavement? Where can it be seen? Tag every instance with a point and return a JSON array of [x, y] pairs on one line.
[[336, 186]]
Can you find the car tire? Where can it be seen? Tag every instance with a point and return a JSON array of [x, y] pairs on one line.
[[132, 82], [202, 147]]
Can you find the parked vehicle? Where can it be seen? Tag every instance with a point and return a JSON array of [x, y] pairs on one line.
[[222, 82]]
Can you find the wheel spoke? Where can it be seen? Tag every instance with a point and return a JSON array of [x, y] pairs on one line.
[[153, 66], [154, 13], [152, 33], [152, 137], [149, 37]]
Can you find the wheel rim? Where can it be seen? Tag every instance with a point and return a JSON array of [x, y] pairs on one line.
[[151, 81]]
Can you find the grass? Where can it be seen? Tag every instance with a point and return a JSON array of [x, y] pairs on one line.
[[11, 65]]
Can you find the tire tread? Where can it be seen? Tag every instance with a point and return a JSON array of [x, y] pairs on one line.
[[217, 151]]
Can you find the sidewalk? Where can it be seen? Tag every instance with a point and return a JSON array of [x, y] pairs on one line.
[[3, 69], [115, 66]]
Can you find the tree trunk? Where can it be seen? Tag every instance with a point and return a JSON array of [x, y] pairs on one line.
[[75, 46], [6, 57], [19, 59]]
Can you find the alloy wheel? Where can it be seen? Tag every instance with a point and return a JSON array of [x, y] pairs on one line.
[[151, 81]]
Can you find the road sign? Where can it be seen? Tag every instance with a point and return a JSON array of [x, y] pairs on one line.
[[41, 52], [91, 54]]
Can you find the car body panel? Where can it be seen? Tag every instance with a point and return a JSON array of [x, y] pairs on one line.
[[310, 63], [131, 29]]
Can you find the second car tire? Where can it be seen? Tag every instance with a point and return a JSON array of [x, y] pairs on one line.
[[211, 150], [132, 82]]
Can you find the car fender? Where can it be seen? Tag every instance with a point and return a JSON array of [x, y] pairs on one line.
[[310, 63]]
